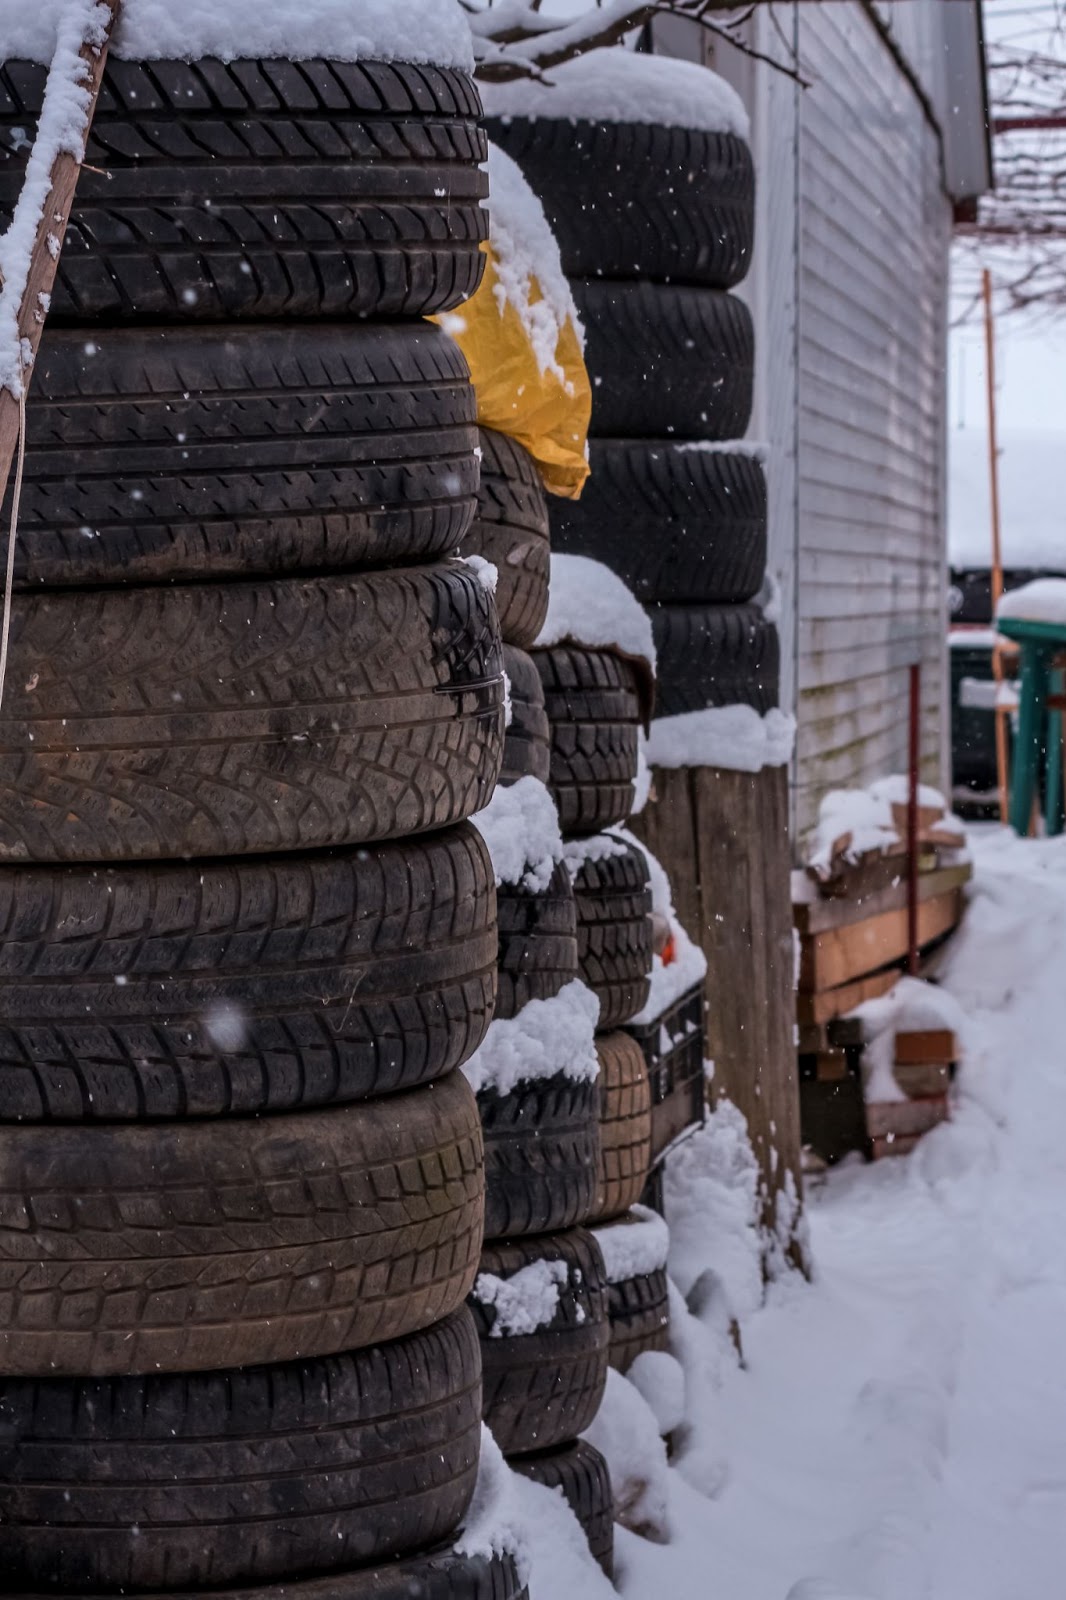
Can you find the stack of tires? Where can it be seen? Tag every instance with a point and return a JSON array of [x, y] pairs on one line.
[[242, 1181], [654, 219]]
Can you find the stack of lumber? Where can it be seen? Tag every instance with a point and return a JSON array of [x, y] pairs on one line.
[[923, 1068]]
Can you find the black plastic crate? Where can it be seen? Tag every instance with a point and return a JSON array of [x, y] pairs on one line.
[[674, 1047]]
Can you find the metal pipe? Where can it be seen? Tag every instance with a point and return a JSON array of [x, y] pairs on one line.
[[913, 761]]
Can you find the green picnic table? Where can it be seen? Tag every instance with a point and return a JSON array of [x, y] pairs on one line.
[[1040, 707]]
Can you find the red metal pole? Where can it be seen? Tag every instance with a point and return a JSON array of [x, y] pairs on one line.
[[912, 818]]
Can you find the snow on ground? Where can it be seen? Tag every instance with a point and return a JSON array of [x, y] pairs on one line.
[[897, 1430]]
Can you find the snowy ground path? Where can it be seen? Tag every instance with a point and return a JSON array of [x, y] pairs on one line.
[[900, 1430]]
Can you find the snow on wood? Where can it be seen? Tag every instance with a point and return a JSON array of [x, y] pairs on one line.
[[431, 32], [736, 738], [617, 85], [1043, 600]]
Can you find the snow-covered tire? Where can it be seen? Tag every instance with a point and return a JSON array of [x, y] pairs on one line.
[[538, 942], [229, 719], [715, 656], [639, 1311], [679, 523], [239, 1476], [185, 1247], [625, 1125], [162, 454], [510, 529], [582, 1476], [233, 988], [542, 1388], [267, 190], [666, 362], [542, 1147], [527, 745], [612, 894], [593, 701], [635, 200]]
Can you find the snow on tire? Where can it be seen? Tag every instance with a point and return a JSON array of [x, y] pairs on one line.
[[185, 1247], [240, 1476], [266, 190], [541, 1310], [527, 745], [625, 1125], [634, 1252], [678, 523], [612, 896], [231, 988], [510, 529], [581, 1476], [538, 943], [218, 719], [162, 454], [594, 704]]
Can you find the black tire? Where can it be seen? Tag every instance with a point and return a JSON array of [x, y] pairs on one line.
[[186, 1247], [543, 1388], [166, 454], [239, 1477], [631, 200], [235, 988], [441, 1574], [639, 1311], [678, 523], [220, 719], [527, 745], [625, 1125], [612, 894], [265, 189], [666, 362], [715, 656], [581, 1475], [510, 529], [542, 1152], [593, 701], [538, 942]]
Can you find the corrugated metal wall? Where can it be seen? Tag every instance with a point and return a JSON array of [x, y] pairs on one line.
[[861, 258]]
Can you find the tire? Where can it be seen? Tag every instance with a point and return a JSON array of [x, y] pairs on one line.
[[166, 454], [612, 894], [677, 523], [187, 1247], [233, 719], [625, 1125], [666, 362], [542, 1150], [639, 1311], [240, 1477], [581, 1475], [241, 987], [271, 190], [538, 948], [510, 529], [715, 656], [632, 200], [527, 745], [593, 702], [543, 1388], [441, 1574]]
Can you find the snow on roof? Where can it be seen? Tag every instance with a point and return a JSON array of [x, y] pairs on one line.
[[618, 85], [417, 31], [1043, 600], [548, 1038], [1033, 506], [590, 605], [734, 737], [526, 248]]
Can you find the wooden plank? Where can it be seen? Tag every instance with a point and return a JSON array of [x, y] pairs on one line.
[[723, 838], [839, 1033], [830, 1003], [904, 1117], [856, 880], [894, 1145], [822, 915], [51, 231], [916, 1046], [841, 954], [918, 1078]]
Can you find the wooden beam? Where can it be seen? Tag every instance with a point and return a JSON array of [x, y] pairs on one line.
[[819, 916], [919, 1046], [830, 1003], [839, 955], [48, 243]]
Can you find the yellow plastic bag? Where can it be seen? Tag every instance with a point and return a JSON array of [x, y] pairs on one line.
[[546, 408]]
